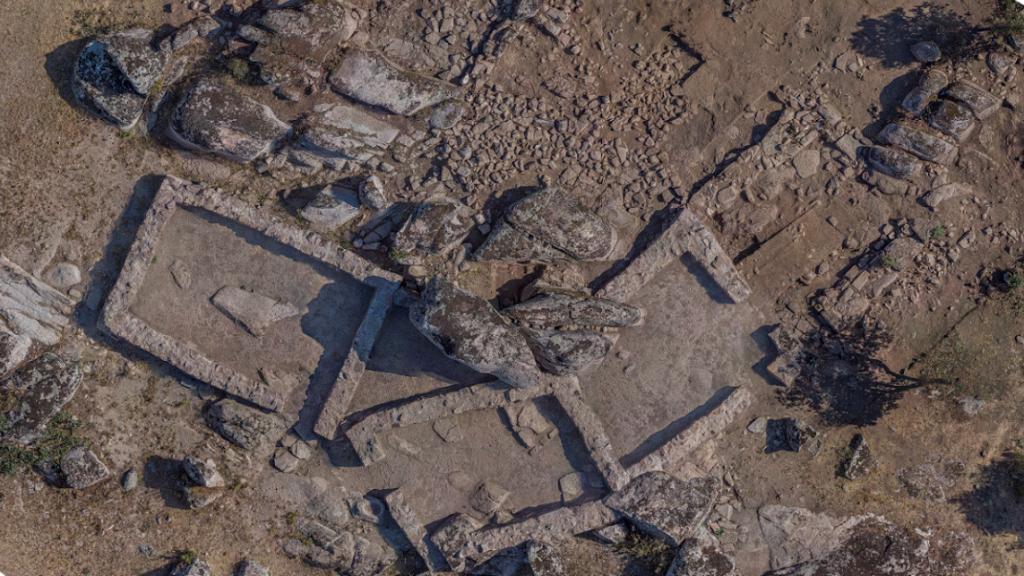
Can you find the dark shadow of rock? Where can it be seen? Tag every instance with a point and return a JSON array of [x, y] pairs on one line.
[[889, 100], [104, 273], [60, 67], [888, 38], [332, 319], [996, 504], [165, 475], [769, 352]]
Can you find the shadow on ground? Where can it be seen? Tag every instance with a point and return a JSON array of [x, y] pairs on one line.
[[888, 38], [996, 504], [843, 378]]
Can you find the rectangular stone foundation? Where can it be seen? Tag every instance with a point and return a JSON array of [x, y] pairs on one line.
[[193, 243]]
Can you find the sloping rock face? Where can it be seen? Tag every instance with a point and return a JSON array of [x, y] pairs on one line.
[[371, 79], [293, 42], [555, 309], [877, 547], [470, 330], [33, 395], [664, 506], [545, 226], [214, 117], [340, 132], [114, 74]]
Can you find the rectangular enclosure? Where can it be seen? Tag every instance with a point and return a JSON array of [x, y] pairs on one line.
[[264, 311]]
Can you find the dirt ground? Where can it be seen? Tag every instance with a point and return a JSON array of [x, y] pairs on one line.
[[72, 188]]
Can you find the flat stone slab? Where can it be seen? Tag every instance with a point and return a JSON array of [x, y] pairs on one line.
[[338, 132], [267, 306], [370, 78]]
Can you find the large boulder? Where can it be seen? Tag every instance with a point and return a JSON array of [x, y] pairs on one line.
[[564, 308], [548, 225], [932, 82], [214, 117], [32, 396], [666, 507], [293, 42], [336, 133], [114, 74], [371, 79], [468, 329]]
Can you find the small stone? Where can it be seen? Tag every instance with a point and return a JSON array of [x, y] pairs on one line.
[[571, 486], [63, 276], [195, 568], [130, 480], [807, 162], [790, 434], [203, 472], [758, 425], [332, 207], [196, 497], [859, 461], [285, 461], [301, 450], [926, 52], [82, 468], [446, 115], [371, 193]]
